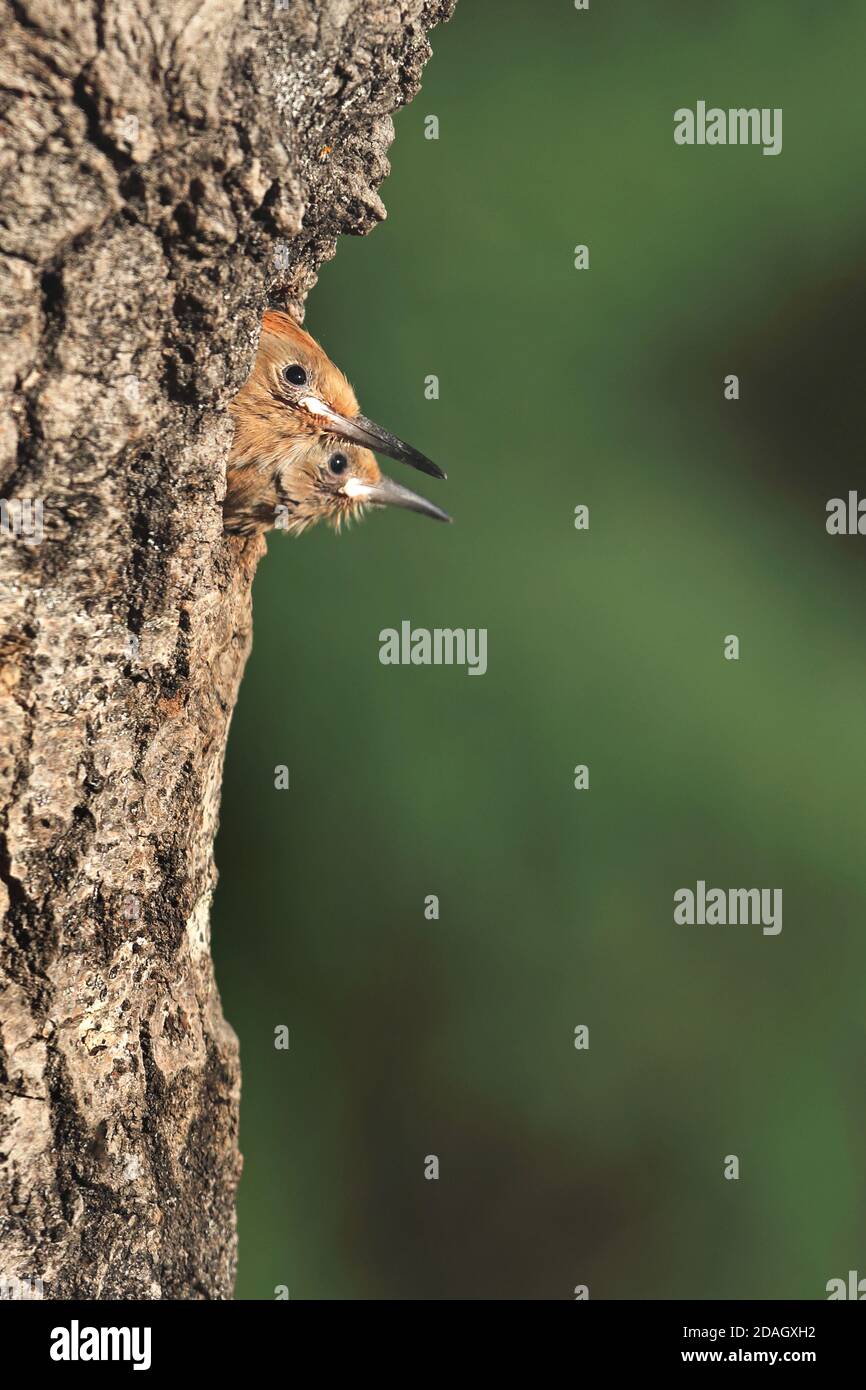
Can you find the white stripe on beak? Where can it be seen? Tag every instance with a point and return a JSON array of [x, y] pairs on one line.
[[355, 488]]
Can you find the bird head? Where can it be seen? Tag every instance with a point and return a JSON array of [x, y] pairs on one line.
[[297, 423], [325, 479]]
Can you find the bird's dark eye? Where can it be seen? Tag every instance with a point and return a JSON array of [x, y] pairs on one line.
[[338, 463], [295, 375]]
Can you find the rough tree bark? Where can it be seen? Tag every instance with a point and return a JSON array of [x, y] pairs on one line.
[[168, 168]]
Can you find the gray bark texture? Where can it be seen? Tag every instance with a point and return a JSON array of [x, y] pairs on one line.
[[169, 168]]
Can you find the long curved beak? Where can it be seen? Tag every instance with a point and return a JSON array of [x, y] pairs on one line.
[[387, 493], [359, 430]]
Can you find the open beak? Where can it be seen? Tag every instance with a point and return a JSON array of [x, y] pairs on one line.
[[359, 430], [387, 493]]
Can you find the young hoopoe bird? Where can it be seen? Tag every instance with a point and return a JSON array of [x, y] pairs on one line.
[[301, 451]]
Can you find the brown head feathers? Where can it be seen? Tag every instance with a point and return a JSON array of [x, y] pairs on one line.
[[302, 451]]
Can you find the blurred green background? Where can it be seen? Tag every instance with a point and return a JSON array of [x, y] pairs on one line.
[[560, 387]]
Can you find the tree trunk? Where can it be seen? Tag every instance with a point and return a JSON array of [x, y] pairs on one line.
[[169, 168]]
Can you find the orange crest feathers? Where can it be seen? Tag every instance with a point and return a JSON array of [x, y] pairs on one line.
[[283, 325]]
